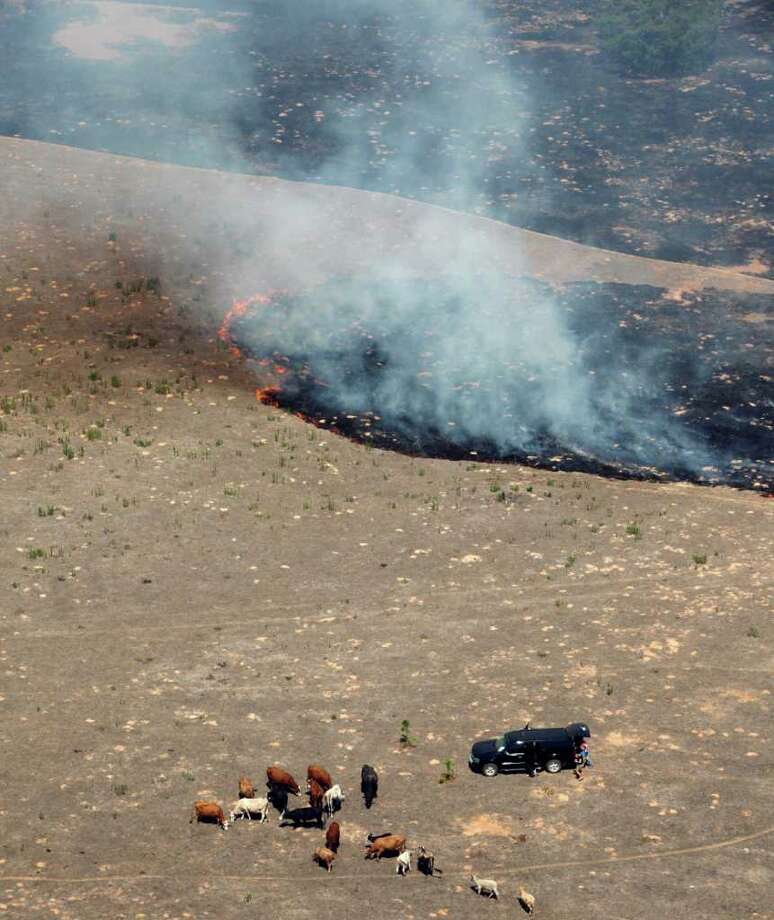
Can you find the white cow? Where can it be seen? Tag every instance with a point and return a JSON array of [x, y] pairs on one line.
[[332, 800], [403, 863], [485, 886], [246, 808]]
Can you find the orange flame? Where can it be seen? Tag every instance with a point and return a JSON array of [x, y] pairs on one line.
[[240, 308], [267, 394]]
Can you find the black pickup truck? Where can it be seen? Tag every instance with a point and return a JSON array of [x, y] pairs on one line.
[[529, 749]]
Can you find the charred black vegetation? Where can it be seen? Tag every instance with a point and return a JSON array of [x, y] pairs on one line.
[[614, 379]]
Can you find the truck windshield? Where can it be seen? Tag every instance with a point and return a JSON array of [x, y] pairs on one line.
[[500, 742]]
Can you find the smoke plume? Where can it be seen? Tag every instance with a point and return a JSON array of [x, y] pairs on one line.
[[400, 97]]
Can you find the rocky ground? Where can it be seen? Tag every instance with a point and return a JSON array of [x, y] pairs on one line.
[[197, 585]]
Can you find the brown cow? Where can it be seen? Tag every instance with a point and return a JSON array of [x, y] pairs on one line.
[[391, 844], [209, 813], [324, 857], [246, 788], [276, 776], [316, 793], [323, 777], [333, 836]]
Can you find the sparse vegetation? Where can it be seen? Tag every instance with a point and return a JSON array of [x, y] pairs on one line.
[[448, 773], [699, 558], [406, 738]]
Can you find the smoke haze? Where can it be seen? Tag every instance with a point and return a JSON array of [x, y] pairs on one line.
[[409, 98]]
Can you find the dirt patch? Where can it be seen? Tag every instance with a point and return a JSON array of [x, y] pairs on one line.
[[487, 826]]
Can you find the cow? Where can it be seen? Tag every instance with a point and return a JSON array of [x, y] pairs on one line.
[[324, 857], [276, 776], [208, 813], [332, 800], [316, 794], [323, 777], [403, 863], [426, 862], [526, 900], [278, 797], [485, 886], [369, 784], [382, 846], [333, 836], [246, 788], [246, 808]]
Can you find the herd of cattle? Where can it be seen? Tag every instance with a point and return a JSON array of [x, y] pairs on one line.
[[325, 799]]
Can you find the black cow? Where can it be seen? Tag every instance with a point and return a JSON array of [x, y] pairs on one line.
[[426, 862], [369, 784], [278, 796]]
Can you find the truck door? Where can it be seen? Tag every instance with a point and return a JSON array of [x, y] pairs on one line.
[[514, 755]]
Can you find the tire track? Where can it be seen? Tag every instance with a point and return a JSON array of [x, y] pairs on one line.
[[319, 876]]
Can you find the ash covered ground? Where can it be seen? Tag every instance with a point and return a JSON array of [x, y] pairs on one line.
[[670, 168], [674, 386]]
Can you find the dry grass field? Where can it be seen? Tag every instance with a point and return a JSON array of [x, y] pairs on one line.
[[196, 585]]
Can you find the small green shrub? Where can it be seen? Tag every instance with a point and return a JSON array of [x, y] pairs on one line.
[[449, 774], [700, 558], [406, 737]]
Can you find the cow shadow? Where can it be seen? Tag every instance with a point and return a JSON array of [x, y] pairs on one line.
[[302, 817]]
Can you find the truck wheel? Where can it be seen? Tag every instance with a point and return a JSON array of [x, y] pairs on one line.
[[490, 769], [553, 766]]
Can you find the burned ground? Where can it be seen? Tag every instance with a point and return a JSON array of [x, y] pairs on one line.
[[680, 390], [669, 168], [197, 585]]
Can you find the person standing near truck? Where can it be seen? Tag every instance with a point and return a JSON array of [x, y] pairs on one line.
[[582, 759]]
